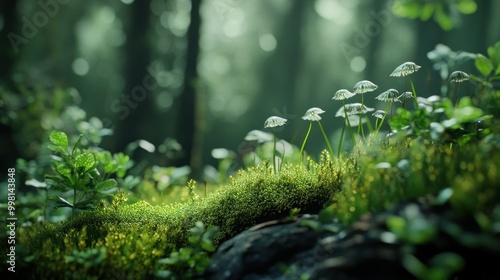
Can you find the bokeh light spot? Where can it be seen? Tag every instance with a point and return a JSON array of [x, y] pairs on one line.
[[358, 64], [80, 66]]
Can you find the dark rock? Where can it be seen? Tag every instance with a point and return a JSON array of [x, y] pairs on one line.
[[368, 250]]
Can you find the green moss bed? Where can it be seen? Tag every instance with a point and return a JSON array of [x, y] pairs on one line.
[[123, 241]]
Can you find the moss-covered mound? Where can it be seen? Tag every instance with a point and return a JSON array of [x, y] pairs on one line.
[[126, 240]]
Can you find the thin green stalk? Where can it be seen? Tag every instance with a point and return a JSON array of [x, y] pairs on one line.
[[458, 93], [383, 119], [414, 94], [360, 124], [304, 142], [350, 127], [326, 139], [369, 124], [341, 139], [274, 152]]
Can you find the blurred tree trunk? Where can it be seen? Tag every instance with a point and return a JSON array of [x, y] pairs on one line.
[[429, 34], [137, 115], [188, 116], [7, 54], [375, 41], [279, 91]]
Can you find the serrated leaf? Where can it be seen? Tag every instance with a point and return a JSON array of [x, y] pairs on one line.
[[59, 138], [60, 201], [105, 185], [84, 162], [484, 65]]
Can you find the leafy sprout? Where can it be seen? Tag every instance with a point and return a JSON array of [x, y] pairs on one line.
[[313, 115], [273, 122]]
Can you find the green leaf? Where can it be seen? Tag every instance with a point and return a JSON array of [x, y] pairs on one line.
[[443, 19], [63, 170], [467, 7], [396, 224], [106, 185], [77, 143], [444, 196], [426, 12], [494, 54], [208, 246], [60, 201], [59, 138], [35, 183], [483, 64], [409, 10], [58, 149], [465, 113], [415, 266], [452, 262], [84, 162]]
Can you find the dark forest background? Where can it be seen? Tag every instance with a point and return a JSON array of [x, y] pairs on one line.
[[200, 74]]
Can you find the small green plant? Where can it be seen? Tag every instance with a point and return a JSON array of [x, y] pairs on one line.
[[313, 115], [445, 13], [273, 122], [189, 262], [76, 172]]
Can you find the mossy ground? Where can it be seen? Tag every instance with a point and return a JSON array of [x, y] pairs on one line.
[[122, 240]]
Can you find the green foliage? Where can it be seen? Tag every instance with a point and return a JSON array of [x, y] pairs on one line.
[[488, 93], [441, 266], [437, 121], [83, 172], [419, 159], [253, 195], [443, 11], [189, 262]]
